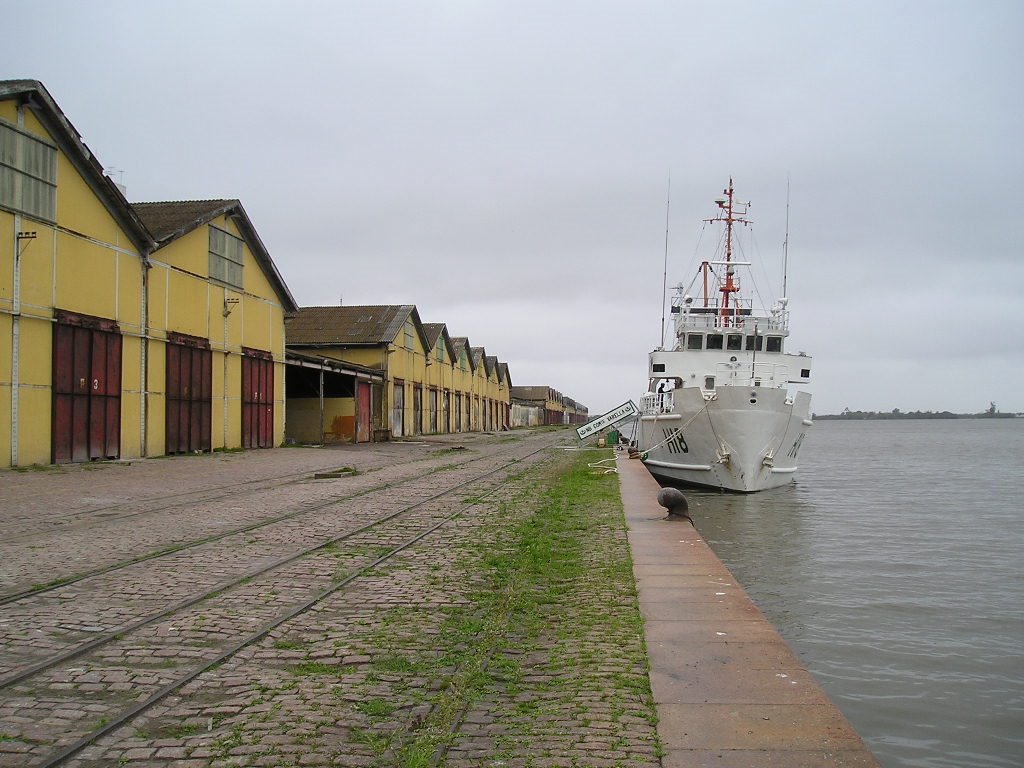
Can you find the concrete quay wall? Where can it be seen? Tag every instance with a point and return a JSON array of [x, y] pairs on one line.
[[728, 690]]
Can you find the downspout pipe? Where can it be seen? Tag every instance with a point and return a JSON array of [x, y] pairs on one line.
[[16, 335], [144, 362]]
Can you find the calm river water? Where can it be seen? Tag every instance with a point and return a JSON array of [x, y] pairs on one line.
[[895, 569]]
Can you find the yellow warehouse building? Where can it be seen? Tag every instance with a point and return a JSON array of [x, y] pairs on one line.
[[125, 331], [432, 383]]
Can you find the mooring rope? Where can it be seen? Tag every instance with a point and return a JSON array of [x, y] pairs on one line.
[[605, 470]]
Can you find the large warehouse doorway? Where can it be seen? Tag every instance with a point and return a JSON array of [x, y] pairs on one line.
[[257, 399], [86, 388], [189, 394]]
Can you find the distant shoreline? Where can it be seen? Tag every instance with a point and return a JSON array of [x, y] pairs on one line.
[[890, 416]]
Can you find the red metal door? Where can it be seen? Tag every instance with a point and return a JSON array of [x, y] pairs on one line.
[[363, 406], [257, 399], [86, 389], [189, 394]]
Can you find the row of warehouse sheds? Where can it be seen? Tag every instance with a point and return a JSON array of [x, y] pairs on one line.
[[130, 330]]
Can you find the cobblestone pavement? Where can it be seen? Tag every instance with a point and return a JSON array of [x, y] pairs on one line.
[[501, 638]]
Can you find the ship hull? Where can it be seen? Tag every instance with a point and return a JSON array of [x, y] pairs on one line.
[[742, 439]]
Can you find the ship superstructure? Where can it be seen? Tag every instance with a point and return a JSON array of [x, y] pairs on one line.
[[723, 408]]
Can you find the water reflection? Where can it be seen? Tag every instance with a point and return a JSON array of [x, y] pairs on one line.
[[894, 570]]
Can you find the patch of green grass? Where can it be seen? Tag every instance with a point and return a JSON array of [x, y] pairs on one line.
[[38, 468], [376, 708], [234, 738], [54, 583], [527, 707], [394, 664], [288, 645], [378, 743], [450, 451], [416, 755], [461, 628], [314, 668]]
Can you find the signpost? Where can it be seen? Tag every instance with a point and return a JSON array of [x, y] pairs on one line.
[[614, 416]]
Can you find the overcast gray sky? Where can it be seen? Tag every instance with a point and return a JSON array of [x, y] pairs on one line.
[[504, 166]]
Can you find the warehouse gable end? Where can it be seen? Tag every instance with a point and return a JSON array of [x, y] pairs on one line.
[[75, 249], [121, 337], [219, 224]]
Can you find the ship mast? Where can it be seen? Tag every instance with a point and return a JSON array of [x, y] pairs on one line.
[[732, 212]]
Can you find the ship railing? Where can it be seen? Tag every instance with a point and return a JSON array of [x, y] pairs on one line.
[[774, 322], [654, 403], [741, 373]]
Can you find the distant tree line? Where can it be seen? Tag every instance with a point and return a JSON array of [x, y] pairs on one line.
[[896, 413]]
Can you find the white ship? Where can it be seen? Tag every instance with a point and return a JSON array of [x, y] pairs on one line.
[[722, 410]]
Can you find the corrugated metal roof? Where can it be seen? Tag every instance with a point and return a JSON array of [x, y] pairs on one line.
[[460, 343], [369, 324], [170, 220], [480, 358], [530, 393], [432, 331]]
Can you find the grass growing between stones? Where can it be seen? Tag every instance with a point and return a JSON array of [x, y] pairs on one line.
[[513, 637], [551, 661]]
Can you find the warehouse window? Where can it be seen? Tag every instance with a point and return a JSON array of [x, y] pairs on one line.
[[225, 257], [28, 174], [408, 336]]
